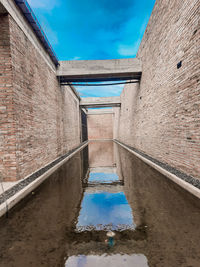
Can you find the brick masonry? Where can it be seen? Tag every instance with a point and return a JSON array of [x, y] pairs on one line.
[[41, 121], [161, 117], [35, 111], [7, 129], [100, 126]]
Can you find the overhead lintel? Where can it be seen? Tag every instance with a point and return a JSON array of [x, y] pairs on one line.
[[99, 70]]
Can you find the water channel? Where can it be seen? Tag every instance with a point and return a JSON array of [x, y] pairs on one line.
[[103, 189]]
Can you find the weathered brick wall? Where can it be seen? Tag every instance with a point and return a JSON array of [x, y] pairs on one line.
[[100, 126], [162, 116], [45, 120], [7, 124]]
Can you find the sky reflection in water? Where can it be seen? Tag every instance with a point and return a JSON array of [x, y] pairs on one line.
[[105, 208], [103, 177], [116, 260]]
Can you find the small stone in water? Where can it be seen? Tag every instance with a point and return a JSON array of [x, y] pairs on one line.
[[110, 234]]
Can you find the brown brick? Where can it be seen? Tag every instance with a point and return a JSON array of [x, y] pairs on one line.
[[161, 117], [42, 120]]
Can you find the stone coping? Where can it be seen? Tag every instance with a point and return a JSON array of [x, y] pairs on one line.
[[184, 180], [17, 192]]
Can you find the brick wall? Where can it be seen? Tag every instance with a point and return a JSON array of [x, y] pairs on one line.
[[100, 126], [116, 114], [7, 129], [41, 120], [162, 115]]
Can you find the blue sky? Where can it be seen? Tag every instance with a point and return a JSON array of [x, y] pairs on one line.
[[94, 29]]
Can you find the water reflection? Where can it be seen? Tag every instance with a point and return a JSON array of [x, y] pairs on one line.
[[120, 191], [170, 213], [33, 233], [103, 177], [101, 154], [105, 211], [104, 207], [137, 260]]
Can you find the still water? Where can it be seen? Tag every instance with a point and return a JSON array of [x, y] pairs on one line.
[[103, 188]]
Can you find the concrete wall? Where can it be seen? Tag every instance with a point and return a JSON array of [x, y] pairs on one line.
[[41, 121], [100, 125], [161, 116]]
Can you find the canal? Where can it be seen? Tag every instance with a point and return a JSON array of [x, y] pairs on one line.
[[104, 207]]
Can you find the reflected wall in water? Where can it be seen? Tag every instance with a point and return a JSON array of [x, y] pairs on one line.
[[170, 213], [42, 229], [104, 205], [101, 154], [34, 234]]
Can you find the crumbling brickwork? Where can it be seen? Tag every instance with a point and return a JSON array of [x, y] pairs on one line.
[[41, 119], [161, 117]]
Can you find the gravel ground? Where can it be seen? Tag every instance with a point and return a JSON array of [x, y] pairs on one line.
[[187, 178], [16, 188]]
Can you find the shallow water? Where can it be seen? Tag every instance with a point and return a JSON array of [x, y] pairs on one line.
[[64, 222], [116, 260], [104, 210]]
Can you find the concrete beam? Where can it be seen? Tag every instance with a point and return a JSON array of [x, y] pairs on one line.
[[103, 169], [97, 102], [100, 111], [99, 70], [100, 187]]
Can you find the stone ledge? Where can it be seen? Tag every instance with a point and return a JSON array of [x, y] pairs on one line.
[[185, 181], [13, 195]]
